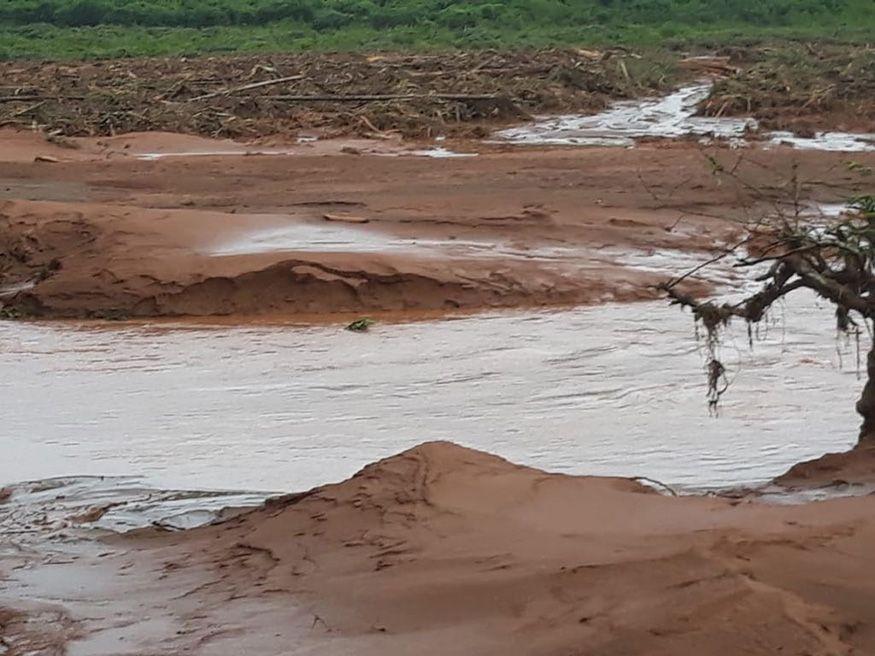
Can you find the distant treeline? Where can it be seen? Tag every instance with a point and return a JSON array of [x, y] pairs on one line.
[[446, 14]]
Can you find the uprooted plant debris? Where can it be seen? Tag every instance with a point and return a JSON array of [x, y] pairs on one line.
[[416, 95], [802, 88]]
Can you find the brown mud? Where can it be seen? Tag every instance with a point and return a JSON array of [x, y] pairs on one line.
[[854, 467], [99, 231], [446, 550]]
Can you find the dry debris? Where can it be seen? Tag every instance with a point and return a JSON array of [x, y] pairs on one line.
[[416, 95], [801, 89]]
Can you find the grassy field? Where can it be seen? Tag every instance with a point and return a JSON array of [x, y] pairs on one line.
[[60, 29]]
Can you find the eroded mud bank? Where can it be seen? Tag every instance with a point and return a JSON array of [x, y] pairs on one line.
[[105, 234]]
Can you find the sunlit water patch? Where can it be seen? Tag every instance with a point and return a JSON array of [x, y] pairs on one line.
[[846, 142], [113, 503]]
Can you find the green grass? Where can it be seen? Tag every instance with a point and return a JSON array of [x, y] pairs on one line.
[[64, 29]]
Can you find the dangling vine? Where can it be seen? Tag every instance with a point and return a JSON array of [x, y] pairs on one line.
[[833, 260]]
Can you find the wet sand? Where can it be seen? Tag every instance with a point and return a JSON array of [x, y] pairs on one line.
[[104, 233], [445, 550]]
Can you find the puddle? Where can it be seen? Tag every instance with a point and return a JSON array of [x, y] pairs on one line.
[[670, 117], [331, 237], [312, 237], [438, 152], [789, 496], [823, 210], [85, 592], [213, 153], [336, 236], [114, 503], [616, 390], [829, 141]]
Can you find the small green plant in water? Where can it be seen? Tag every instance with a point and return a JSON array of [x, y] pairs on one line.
[[111, 314], [361, 325], [856, 167], [9, 312], [865, 205]]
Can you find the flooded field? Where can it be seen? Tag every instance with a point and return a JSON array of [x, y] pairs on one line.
[[617, 389], [538, 462]]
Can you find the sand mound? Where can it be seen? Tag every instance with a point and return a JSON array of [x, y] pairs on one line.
[[445, 550]]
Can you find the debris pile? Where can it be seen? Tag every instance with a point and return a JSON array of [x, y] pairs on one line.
[[802, 89], [247, 96]]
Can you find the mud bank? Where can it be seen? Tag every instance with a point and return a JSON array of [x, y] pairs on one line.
[[103, 233], [109, 262], [445, 550]]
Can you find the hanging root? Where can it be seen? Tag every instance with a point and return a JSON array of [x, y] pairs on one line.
[[713, 318], [718, 383]]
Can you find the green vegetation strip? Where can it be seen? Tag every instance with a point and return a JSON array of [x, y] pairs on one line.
[[116, 28]]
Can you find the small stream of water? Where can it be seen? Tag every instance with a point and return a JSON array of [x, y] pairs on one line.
[[669, 117]]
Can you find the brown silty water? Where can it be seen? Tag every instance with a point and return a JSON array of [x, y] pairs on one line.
[[616, 389]]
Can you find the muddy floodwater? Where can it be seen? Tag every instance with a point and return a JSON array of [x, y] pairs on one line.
[[617, 389]]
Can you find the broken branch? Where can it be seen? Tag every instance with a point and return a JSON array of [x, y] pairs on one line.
[[247, 87]]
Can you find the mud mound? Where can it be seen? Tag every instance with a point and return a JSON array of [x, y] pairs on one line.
[[445, 550], [31, 254], [115, 262], [420, 95]]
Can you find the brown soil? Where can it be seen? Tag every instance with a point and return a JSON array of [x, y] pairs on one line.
[[854, 467], [35, 630], [101, 233], [444, 550], [106, 98]]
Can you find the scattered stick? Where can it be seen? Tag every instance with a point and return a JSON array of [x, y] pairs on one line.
[[28, 110], [653, 481], [247, 87], [345, 218], [386, 96], [32, 98]]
